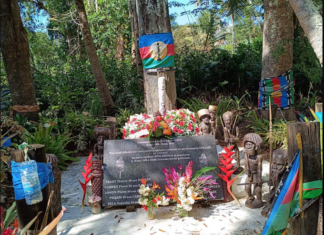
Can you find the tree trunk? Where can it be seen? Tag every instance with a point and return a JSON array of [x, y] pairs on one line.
[[16, 57], [153, 18], [233, 33], [278, 35], [139, 64], [312, 22], [120, 47], [131, 17], [104, 93]]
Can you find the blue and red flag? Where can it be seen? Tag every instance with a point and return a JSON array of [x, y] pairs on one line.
[[157, 50], [286, 199]]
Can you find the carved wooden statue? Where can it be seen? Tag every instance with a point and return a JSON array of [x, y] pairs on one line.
[[253, 168], [231, 136], [212, 112], [205, 127], [278, 167], [101, 134], [56, 186]]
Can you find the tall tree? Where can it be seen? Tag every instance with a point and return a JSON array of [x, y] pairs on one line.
[[103, 90], [16, 56], [278, 35], [312, 23], [153, 18]]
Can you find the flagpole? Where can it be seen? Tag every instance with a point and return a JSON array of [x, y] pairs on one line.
[[300, 176], [270, 138]]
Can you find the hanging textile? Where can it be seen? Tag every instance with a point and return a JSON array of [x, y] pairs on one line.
[[157, 50], [281, 90]]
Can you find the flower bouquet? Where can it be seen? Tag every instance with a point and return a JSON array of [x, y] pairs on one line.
[[182, 122], [95, 204], [178, 122], [185, 189], [150, 199]]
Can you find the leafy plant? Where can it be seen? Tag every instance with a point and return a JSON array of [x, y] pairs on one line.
[[5, 98], [261, 127], [54, 143], [121, 118], [11, 214], [238, 102]]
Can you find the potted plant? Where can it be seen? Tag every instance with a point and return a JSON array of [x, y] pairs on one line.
[[95, 204]]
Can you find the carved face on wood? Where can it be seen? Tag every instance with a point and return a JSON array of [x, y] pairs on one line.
[[228, 119], [279, 162], [205, 119], [250, 148], [212, 114], [100, 140]]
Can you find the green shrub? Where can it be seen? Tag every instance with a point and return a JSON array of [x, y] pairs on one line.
[[54, 143]]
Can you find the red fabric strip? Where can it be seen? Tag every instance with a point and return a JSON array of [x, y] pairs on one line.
[[275, 84], [170, 49], [292, 189], [145, 52]]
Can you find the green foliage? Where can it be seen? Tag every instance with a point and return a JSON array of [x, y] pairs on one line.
[[54, 144], [5, 98], [81, 126], [261, 127], [11, 214], [202, 171], [121, 118], [3, 170], [194, 105]]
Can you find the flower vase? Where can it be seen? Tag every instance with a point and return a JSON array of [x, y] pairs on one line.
[[150, 213], [183, 212], [95, 207]]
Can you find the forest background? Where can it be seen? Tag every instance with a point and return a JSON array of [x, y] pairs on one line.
[[209, 69]]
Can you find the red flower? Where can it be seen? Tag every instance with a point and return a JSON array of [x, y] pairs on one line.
[[132, 132], [124, 131], [174, 129], [1, 211], [181, 123], [197, 129], [180, 131], [124, 136], [7, 231], [158, 118], [144, 207], [190, 128], [134, 119]]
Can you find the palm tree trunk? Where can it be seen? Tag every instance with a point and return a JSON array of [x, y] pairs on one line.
[[233, 32], [312, 22], [16, 56], [139, 63], [104, 93], [256, 17]]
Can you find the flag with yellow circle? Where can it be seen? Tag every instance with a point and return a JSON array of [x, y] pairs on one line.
[[157, 50]]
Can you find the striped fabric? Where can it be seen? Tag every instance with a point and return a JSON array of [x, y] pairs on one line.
[[286, 199], [157, 50], [281, 90]]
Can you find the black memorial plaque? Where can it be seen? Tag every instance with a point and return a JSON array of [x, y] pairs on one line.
[[126, 162]]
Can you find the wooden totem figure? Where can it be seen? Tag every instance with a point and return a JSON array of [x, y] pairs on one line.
[[56, 186], [205, 127], [231, 136], [253, 168], [278, 167], [213, 121], [101, 134]]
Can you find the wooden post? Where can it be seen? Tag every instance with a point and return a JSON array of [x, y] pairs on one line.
[[312, 170], [112, 127], [153, 18], [319, 108], [26, 212]]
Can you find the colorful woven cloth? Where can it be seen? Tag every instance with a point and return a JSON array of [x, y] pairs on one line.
[[281, 90], [157, 50]]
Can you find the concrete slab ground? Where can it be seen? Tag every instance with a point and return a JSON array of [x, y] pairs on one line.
[[220, 218]]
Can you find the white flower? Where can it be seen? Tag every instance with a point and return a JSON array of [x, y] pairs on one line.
[[145, 202], [141, 190], [187, 208], [140, 201], [191, 200], [147, 191], [165, 201], [189, 192]]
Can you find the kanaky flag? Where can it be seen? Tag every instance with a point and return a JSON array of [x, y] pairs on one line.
[[157, 50], [286, 199]]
